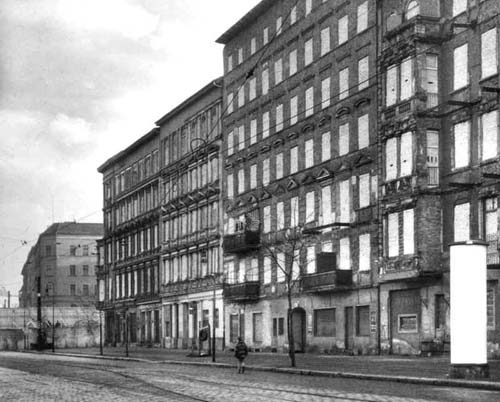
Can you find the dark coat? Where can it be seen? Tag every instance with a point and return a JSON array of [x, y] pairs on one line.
[[241, 350]]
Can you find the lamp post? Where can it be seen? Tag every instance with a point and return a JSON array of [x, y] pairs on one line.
[[100, 332]]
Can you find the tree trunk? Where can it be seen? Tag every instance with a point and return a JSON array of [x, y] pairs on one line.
[[291, 340]]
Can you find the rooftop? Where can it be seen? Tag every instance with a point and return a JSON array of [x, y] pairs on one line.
[[75, 229]]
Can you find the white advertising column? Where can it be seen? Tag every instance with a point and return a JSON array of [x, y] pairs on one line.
[[468, 355]]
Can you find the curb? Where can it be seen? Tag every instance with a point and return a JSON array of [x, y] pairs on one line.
[[440, 382]]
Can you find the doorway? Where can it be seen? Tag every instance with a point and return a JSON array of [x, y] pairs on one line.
[[299, 328]]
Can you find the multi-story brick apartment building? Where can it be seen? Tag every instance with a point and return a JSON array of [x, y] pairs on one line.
[[300, 150], [61, 266], [438, 128], [129, 277], [192, 289]]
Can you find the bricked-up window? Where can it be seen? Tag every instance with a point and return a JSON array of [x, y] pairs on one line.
[[278, 71], [363, 131], [460, 70], [308, 52], [489, 53], [265, 172], [364, 190], [364, 252], [230, 103], [280, 216], [292, 62], [490, 306], [230, 186], [253, 176], [265, 35], [461, 222], [266, 212], [279, 25], [326, 215], [294, 159], [363, 73], [294, 111], [325, 147], [293, 15], [279, 118], [240, 137], [294, 211], [310, 210], [393, 234], [325, 93], [362, 17], [229, 62], [461, 144], [325, 40], [241, 181], [343, 29], [253, 131], [345, 201], [408, 232], [309, 153], [279, 166], [344, 83], [240, 55], [343, 139], [363, 321], [252, 91], [324, 322], [489, 135], [265, 124], [459, 6], [265, 81], [310, 260]]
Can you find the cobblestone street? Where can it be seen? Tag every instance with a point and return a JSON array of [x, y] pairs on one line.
[[48, 378]]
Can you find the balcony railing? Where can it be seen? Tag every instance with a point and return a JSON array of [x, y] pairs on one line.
[[327, 281], [241, 242], [240, 292]]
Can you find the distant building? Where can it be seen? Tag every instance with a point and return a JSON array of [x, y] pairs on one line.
[[7, 299], [61, 266]]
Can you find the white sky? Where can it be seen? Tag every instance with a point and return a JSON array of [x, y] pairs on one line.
[[79, 81]]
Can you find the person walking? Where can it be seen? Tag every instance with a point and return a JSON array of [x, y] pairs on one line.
[[240, 352]]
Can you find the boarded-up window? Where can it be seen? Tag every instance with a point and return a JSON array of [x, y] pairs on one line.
[[461, 144], [461, 222], [344, 83], [326, 205], [460, 71], [406, 154], [294, 211], [311, 260], [279, 118], [230, 186], [325, 40], [309, 101], [406, 79], [293, 110], [489, 54], [393, 234], [265, 124], [308, 52], [344, 139], [408, 232], [253, 131], [280, 216], [292, 60], [279, 166], [278, 71], [343, 29], [294, 160], [310, 212], [364, 190], [265, 81], [363, 73], [252, 93], [265, 172], [325, 147], [266, 212], [430, 79], [325, 93], [363, 136], [362, 17], [364, 252], [345, 254], [391, 165], [345, 201], [267, 270], [253, 176], [391, 83], [309, 148], [241, 181], [324, 322], [489, 131]]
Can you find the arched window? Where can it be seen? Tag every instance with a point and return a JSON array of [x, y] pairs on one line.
[[412, 9]]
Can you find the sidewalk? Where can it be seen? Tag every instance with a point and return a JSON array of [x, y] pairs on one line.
[[422, 370]]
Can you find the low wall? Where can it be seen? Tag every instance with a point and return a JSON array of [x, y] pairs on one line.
[[11, 339]]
